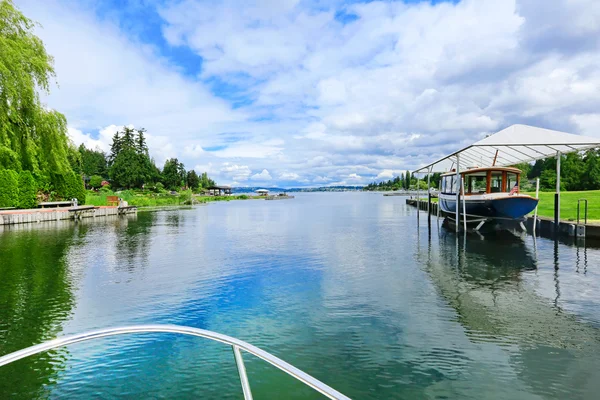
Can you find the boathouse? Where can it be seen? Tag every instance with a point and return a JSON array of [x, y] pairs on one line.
[[513, 145]]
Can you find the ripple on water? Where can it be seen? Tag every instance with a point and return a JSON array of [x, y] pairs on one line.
[[343, 286]]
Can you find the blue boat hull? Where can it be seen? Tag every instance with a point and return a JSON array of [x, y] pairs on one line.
[[510, 207]]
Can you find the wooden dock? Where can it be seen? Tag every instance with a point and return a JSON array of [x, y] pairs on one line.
[[12, 217], [544, 226]]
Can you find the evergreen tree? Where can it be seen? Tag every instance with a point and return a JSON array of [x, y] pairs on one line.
[[193, 181], [93, 162], [140, 142], [173, 174], [115, 147]]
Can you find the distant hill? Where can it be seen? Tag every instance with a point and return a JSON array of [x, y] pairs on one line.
[[317, 189]]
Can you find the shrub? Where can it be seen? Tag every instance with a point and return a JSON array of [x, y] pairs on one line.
[[69, 186], [9, 188], [105, 189], [9, 159], [27, 190], [159, 187], [96, 181], [185, 197]]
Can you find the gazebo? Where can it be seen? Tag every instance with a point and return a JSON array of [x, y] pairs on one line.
[[219, 190], [262, 192], [514, 145]]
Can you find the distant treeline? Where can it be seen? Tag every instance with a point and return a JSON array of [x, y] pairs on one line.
[[405, 181], [578, 171], [129, 166]]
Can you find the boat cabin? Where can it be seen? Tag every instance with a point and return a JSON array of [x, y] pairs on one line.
[[482, 180]]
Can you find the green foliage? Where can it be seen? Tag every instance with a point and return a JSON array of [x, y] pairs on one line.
[[205, 181], [27, 190], [105, 189], [159, 187], [93, 162], [185, 197], [32, 137], [9, 159], [69, 186], [96, 181], [9, 188], [130, 164], [173, 174], [193, 180]]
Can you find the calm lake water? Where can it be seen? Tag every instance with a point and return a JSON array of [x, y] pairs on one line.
[[345, 286]]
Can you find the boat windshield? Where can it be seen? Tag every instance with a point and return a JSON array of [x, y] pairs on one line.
[[512, 180], [496, 182]]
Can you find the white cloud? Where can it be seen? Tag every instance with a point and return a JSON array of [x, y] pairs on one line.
[[386, 174], [589, 124], [236, 172], [320, 99], [193, 150], [289, 176], [262, 176]]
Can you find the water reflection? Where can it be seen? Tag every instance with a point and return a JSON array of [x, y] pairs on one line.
[[35, 300], [549, 348]]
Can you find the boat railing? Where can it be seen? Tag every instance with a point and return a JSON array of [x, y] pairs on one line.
[[236, 345]]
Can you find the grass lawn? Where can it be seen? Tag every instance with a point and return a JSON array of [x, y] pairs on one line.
[[568, 204], [149, 199]]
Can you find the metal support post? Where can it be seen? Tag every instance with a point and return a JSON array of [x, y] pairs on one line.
[[537, 196], [242, 372], [557, 194], [457, 179]]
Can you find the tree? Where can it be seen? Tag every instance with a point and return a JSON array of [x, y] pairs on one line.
[[96, 181], [140, 142], [27, 190], [35, 134], [173, 174], [125, 171], [193, 181], [115, 148], [407, 180], [130, 163], [93, 162]]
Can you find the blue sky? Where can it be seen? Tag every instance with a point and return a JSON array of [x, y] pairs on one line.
[[318, 92]]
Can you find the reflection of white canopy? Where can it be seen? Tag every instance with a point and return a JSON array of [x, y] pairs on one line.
[[513, 145]]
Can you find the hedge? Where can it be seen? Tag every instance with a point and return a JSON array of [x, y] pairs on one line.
[[69, 186], [27, 190], [9, 188]]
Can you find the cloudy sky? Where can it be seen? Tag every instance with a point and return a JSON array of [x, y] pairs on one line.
[[321, 92]]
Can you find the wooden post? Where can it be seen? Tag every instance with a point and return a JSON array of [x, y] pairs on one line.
[[495, 157]]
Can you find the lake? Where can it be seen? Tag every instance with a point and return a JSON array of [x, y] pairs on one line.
[[347, 287]]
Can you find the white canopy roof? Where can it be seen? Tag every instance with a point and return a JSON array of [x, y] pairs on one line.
[[513, 145]]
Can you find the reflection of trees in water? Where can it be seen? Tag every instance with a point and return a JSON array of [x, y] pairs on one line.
[[556, 354], [133, 242], [36, 298]]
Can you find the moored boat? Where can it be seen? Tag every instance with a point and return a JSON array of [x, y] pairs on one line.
[[488, 194]]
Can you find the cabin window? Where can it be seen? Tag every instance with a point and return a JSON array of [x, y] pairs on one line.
[[477, 184], [511, 181], [448, 184], [496, 182]]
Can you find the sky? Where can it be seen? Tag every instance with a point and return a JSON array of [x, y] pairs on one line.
[[318, 92]]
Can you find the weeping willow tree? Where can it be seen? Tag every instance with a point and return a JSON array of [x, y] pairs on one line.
[[32, 137]]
